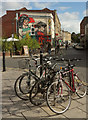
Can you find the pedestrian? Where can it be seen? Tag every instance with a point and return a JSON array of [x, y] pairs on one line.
[[58, 48], [49, 48], [10, 52], [30, 51], [66, 46]]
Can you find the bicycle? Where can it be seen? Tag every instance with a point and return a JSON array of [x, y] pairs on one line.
[[25, 81], [38, 98], [59, 92]]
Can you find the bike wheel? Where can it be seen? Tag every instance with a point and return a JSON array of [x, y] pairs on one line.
[[58, 98], [26, 83], [37, 93], [80, 85], [17, 90]]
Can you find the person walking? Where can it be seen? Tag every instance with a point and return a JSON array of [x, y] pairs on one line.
[[49, 48], [30, 52], [66, 46], [58, 48]]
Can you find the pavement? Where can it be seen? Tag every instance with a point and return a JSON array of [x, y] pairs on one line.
[[15, 108]]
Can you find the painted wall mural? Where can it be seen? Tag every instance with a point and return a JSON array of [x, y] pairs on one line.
[[37, 29], [24, 25]]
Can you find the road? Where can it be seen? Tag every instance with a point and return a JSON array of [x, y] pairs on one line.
[[70, 53]]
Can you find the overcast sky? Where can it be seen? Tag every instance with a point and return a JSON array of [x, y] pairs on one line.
[[70, 12]]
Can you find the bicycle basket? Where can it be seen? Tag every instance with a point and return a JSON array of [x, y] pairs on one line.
[[23, 64]]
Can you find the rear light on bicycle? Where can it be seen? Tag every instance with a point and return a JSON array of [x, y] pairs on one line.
[[60, 68]]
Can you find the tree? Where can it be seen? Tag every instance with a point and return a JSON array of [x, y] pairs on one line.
[[15, 36], [75, 37], [29, 41], [7, 46]]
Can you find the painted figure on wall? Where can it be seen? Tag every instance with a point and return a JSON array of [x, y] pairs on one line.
[[37, 29], [24, 25], [40, 31]]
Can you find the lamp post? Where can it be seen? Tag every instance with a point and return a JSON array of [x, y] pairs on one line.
[[12, 36], [55, 29], [4, 68]]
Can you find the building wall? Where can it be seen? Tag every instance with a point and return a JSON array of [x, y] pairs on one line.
[[82, 25], [44, 17], [57, 26], [83, 32], [49, 17], [66, 36], [86, 29], [86, 36], [8, 24]]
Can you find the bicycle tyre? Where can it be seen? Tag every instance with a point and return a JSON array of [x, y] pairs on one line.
[[17, 90], [26, 83], [58, 103], [37, 93], [80, 86]]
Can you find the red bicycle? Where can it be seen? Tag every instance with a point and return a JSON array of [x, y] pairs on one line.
[[67, 81]]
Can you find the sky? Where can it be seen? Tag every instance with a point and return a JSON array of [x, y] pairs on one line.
[[70, 12]]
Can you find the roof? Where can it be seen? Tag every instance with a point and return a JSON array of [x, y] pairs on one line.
[[45, 10], [85, 19]]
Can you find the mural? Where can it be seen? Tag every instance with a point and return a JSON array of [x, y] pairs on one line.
[[24, 25], [37, 29], [49, 23]]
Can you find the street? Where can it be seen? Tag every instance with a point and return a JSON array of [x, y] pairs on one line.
[[13, 107], [69, 54]]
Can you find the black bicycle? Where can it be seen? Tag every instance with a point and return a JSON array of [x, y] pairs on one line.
[[27, 79], [38, 92], [24, 82]]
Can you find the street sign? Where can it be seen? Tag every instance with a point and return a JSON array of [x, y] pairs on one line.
[[26, 50]]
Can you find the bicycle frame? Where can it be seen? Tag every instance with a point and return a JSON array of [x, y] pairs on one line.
[[72, 88]]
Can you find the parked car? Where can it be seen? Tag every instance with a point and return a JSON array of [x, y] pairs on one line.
[[74, 44]]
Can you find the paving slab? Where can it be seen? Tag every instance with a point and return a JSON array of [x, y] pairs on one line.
[[83, 108], [74, 104], [13, 107], [52, 114], [36, 112], [75, 113], [82, 100]]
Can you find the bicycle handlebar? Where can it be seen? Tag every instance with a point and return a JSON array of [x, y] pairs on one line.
[[68, 60], [62, 59]]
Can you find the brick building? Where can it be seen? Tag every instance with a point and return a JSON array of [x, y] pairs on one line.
[[45, 17], [84, 31]]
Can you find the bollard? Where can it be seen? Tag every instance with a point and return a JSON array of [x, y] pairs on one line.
[[4, 69], [41, 63]]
